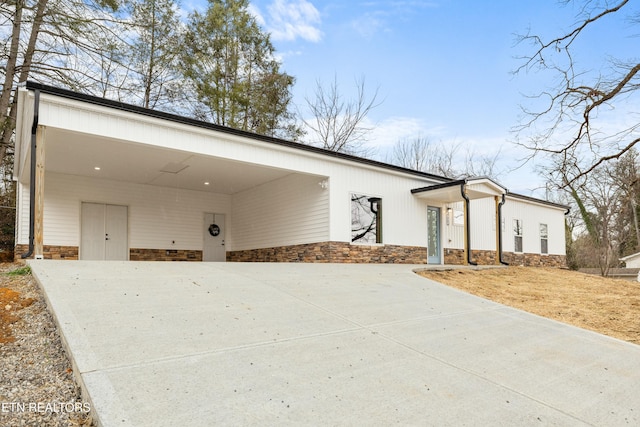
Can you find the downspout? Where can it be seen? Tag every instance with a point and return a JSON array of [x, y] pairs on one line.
[[468, 221], [500, 231], [32, 175]]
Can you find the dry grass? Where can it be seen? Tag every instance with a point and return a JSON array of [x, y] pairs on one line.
[[607, 306]]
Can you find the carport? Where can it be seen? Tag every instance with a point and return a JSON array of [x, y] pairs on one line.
[[167, 178], [164, 344]]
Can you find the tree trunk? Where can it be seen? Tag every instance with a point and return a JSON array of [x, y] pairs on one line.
[[634, 211], [25, 69], [6, 127]]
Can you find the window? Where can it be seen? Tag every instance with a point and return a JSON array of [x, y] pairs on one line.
[[544, 239], [366, 219], [517, 235]]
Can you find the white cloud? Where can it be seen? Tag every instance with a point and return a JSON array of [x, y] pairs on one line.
[[380, 16], [368, 25], [292, 19]]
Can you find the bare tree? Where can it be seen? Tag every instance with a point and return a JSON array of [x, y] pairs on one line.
[[45, 41], [601, 203], [572, 122], [422, 154], [626, 178], [413, 153], [339, 125]]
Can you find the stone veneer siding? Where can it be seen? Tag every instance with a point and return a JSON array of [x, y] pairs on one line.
[[534, 260], [453, 256], [164, 255], [320, 252], [49, 252], [457, 257], [71, 253], [342, 252]]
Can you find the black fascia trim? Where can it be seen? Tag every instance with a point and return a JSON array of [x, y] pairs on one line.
[[438, 186], [534, 199], [65, 93]]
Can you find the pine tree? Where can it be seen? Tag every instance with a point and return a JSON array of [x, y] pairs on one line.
[[155, 51], [230, 64]]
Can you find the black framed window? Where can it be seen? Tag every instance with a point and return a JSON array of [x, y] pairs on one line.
[[366, 219]]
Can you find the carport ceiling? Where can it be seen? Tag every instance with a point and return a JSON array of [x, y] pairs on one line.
[[77, 154]]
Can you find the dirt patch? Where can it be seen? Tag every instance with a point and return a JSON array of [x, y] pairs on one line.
[[607, 306], [34, 368], [11, 302]]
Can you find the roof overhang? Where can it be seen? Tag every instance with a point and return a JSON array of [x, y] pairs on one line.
[[118, 109], [474, 188], [630, 257]]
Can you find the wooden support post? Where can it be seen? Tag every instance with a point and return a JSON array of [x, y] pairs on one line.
[[39, 194]]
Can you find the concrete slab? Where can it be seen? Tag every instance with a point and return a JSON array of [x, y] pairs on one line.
[[164, 344]]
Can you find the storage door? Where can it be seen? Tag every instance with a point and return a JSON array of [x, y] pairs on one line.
[[103, 232], [213, 245]]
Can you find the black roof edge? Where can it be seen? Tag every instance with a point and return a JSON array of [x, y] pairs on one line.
[[458, 182], [65, 93], [438, 186], [508, 193], [541, 201]]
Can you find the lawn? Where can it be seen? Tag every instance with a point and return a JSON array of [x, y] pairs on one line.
[[604, 305]]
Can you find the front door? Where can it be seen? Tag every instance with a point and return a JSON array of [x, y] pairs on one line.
[[103, 232], [433, 235], [213, 247]]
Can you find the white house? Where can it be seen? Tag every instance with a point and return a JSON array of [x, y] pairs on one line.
[[632, 261], [99, 179]]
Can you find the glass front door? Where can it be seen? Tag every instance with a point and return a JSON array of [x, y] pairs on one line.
[[433, 235]]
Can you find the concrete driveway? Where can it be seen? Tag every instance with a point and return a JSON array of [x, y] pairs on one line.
[[206, 344]]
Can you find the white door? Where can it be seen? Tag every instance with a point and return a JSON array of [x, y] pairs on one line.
[[103, 232], [213, 247]]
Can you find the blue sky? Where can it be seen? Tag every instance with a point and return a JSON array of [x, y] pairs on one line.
[[443, 68]]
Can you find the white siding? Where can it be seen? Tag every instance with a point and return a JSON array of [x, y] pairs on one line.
[[404, 217], [158, 216], [633, 261], [532, 215], [288, 211], [483, 224], [453, 234], [22, 214]]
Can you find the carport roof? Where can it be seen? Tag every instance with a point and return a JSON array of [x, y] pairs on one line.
[[64, 93]]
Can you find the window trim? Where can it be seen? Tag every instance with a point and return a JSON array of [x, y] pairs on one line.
[[545, 238], [518, 227]]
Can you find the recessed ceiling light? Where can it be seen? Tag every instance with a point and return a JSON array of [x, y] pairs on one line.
[[206, 183], [96, 168]]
